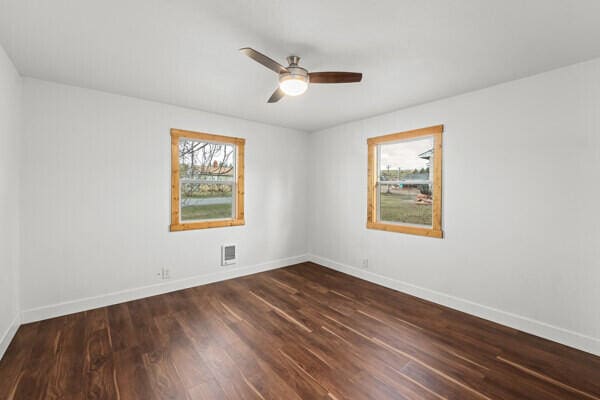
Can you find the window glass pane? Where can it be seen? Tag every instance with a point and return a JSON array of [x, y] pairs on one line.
[[200, 164], [206, 161], [206, 201], [405, 182]]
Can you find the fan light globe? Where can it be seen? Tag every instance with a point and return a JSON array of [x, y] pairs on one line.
[[293, 85]]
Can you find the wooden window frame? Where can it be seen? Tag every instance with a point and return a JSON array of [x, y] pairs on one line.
[[372, 143], [238, 219]]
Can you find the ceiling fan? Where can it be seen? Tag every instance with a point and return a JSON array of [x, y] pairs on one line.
[[293, 79]]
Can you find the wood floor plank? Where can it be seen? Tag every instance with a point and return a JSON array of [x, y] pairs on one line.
[[207, 391], [33, 383], [13, 364], [263, 344], [164, 381], [132, 378], [189, 366], [122, 332], [64, 376], [301, 332], [98, 369], [147, 335]]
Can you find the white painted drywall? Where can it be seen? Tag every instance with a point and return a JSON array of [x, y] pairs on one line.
[[96, 198], [10, 118], [521, 190]]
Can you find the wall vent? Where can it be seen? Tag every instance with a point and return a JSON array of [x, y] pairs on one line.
[[228, 254]]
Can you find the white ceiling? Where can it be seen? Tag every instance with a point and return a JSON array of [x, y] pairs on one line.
[[184, 52]]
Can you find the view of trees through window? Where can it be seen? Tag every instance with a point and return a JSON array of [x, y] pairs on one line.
[[206, 179], [405, 178]]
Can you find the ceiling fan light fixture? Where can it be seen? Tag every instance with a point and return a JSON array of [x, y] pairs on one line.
[[293, 79], [293, 85]]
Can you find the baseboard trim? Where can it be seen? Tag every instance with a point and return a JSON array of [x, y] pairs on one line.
[[9, 334], [89, 303], [528, 325]]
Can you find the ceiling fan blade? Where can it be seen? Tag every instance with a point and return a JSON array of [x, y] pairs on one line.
[[277, 95], [335, 77], [264, 60]]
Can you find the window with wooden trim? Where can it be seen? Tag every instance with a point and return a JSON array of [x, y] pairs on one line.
[[207, 180], [405, 182]]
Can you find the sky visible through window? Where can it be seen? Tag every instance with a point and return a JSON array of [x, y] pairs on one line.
[[405, 154]]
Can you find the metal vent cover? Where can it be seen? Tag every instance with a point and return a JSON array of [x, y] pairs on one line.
[[228, 254]]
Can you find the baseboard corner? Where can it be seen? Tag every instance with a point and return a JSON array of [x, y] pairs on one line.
[[9, 334]]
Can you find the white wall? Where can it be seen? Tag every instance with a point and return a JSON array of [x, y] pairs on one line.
[[96, 200], [10, 108], [520, 205]]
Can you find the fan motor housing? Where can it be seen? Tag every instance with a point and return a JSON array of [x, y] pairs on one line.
[[295, 73]]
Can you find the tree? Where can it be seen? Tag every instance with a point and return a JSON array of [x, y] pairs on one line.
[[202, 161]]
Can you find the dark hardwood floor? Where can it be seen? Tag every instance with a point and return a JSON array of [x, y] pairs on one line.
[[302, 332]]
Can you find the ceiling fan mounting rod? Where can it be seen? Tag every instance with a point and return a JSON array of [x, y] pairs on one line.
[[293, 61]]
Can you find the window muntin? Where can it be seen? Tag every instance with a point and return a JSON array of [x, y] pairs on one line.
[[207, 180], [405, 182]]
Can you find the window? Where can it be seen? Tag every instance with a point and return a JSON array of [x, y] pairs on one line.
[[207, 180], [405, 182]]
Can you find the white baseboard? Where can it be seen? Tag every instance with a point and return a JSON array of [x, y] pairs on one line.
[[8, 335], [89, 303], [538, 328]]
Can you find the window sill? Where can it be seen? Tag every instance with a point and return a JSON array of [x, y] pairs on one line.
[[412, 230], [206, 224]]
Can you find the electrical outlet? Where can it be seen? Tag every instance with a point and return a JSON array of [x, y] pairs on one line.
[[365, 263], [165, 273]]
